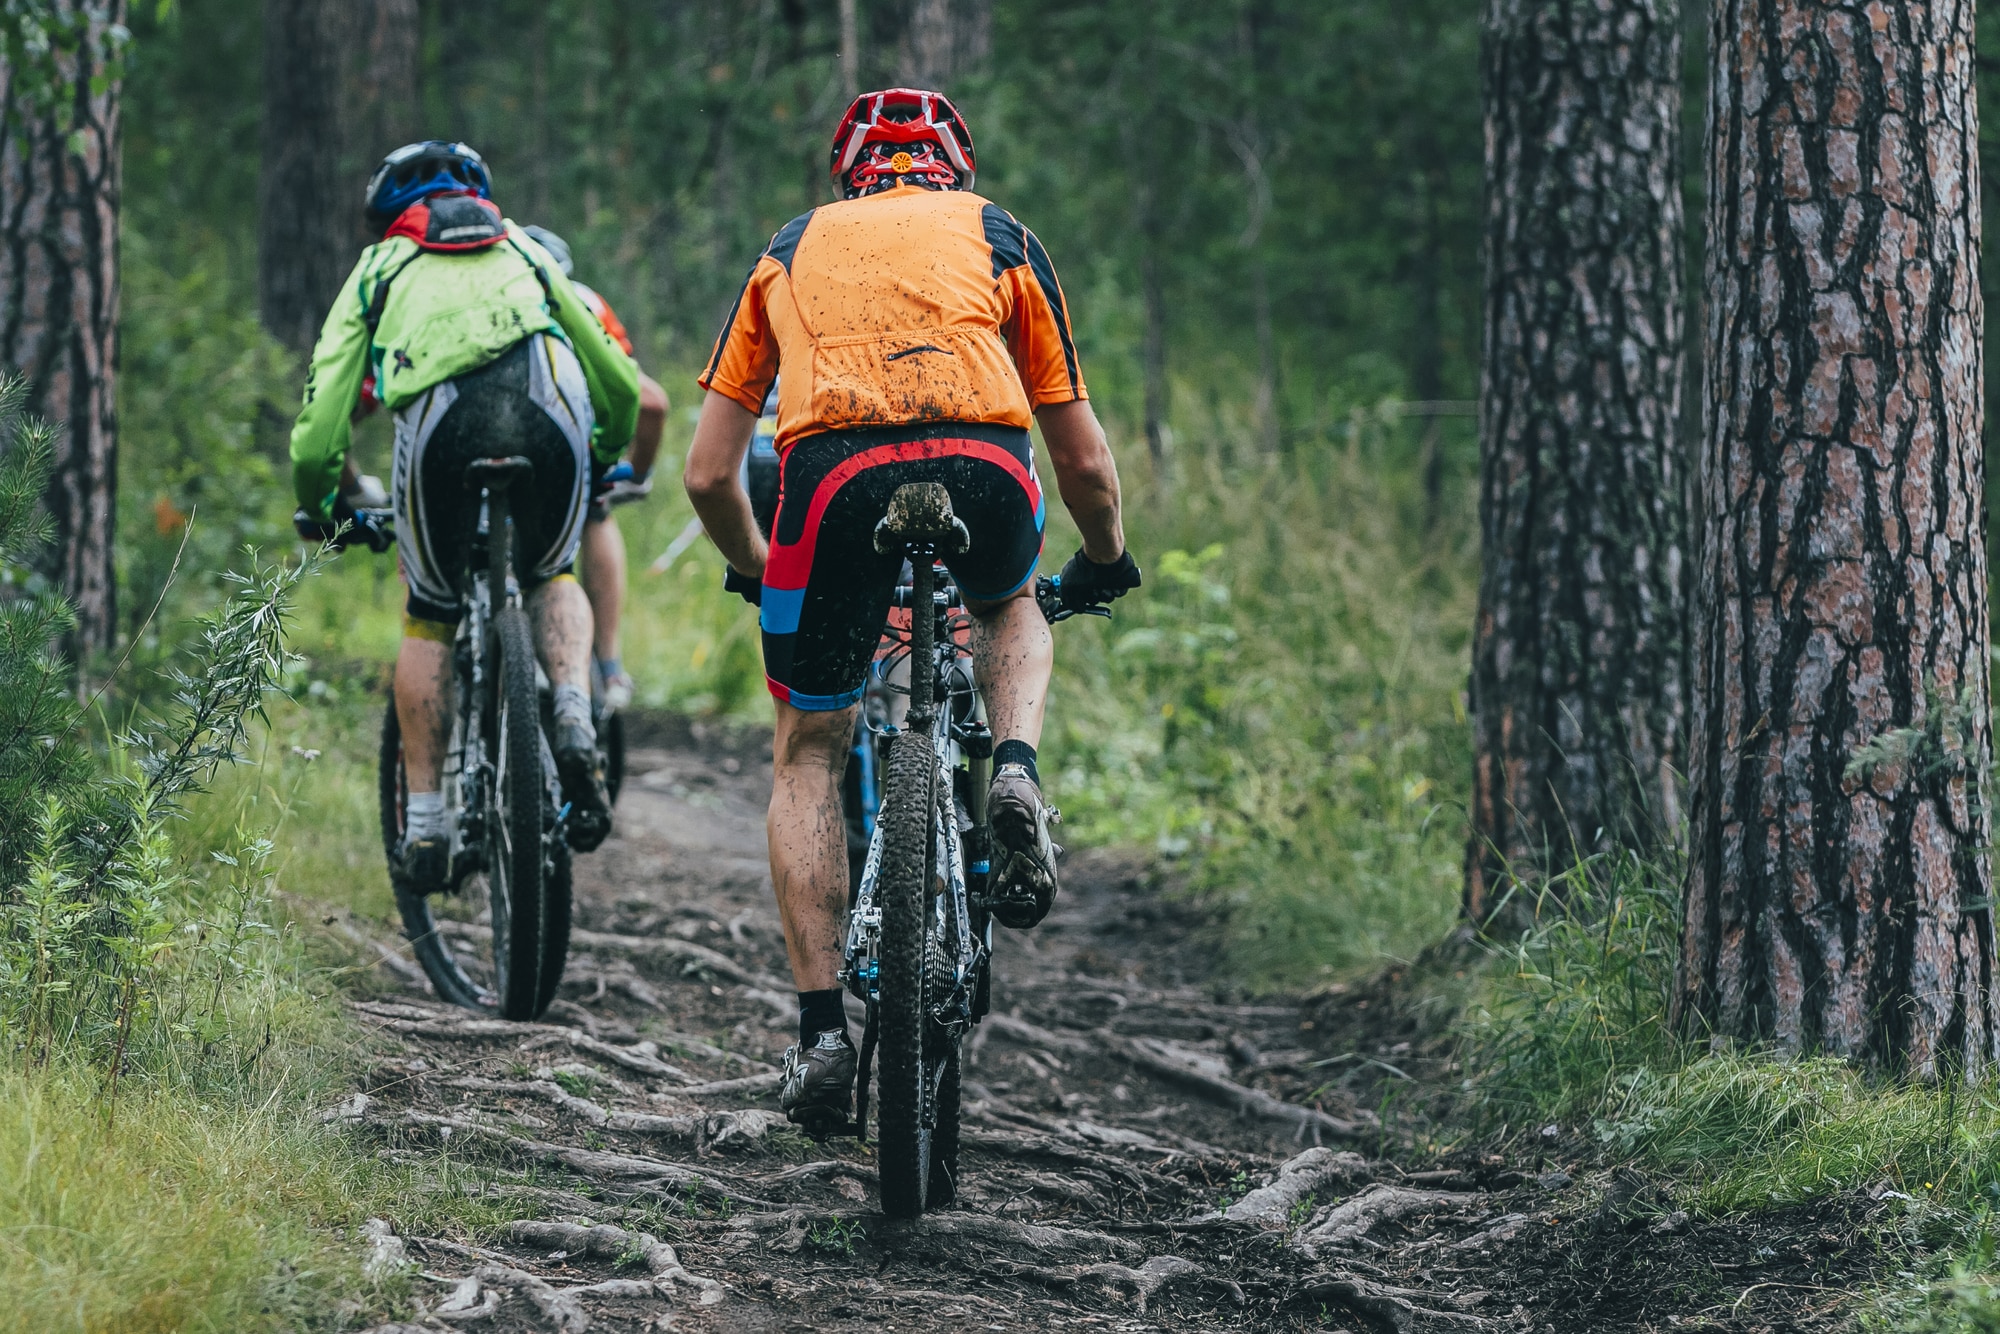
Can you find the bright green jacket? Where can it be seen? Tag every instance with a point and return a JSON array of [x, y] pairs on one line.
[[447, 313]]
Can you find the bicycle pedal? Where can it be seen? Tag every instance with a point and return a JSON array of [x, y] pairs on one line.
[[827, 1124]]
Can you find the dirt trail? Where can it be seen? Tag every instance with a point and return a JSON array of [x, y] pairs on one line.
[[1139, 1154]]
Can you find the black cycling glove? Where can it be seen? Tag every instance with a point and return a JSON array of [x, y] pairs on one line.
[[750, 590], [1085, 583], [362, 526]]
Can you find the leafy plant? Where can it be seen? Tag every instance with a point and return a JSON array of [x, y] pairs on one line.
[[833, 1236]]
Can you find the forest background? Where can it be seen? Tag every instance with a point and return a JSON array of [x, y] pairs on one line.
[[1267, 216], [1266, 220]]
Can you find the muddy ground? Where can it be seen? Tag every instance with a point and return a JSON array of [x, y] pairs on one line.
[[1145, 1150]]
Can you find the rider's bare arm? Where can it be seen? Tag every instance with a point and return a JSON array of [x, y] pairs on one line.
[[653, 407], [714, 482], [1086, 476]]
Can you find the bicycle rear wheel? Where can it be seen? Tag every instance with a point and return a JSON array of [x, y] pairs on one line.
[[517, 884], [902, 888], [447, 978]]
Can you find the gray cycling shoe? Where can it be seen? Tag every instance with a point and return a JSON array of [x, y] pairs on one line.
[[1024, 859], [818, 1092], [581, 766], [423, 864]]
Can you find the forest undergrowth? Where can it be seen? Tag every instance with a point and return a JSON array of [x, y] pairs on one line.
[[1276, 721]]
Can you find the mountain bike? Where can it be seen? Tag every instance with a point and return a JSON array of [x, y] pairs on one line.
[[503, 799], [920, 937]]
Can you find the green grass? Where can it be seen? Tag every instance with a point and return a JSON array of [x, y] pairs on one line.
[[163, 1212]]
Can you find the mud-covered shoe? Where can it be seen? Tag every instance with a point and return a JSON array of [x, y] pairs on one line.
[[818, 1092], [422, 864], [581, 767], [1024, 860]]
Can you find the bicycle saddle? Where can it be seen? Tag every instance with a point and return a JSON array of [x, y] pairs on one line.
[[497, 474], [920, 516]]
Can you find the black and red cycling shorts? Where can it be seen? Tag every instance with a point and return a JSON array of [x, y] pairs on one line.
[[826, 588]]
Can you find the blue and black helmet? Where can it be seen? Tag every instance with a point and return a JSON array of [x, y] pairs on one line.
[[415, 171]]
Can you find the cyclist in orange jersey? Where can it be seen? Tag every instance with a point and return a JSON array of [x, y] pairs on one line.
[[920, 331]]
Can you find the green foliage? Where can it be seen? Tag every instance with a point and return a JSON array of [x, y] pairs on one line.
[[1581, 1001], [1279, 706], [182, 1213], [200, 380]]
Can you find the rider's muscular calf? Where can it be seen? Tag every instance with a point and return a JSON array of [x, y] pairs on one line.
[[807, 833]]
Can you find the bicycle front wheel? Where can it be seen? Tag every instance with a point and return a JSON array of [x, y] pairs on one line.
[[907, 1115], [517, 885]]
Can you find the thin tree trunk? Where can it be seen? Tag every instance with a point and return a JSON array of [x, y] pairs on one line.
[[943, 40], [1838, 892], [1579, 658], [305, 216], [850, 54], [385, 86], [59, 200], [1153, 352]]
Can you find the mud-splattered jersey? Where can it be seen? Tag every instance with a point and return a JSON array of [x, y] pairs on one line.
[[903, 307]]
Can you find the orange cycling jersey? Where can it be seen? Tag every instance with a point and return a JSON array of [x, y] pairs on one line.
[[897, 308]]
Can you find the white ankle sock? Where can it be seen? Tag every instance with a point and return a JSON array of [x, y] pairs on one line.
[[423, 815]]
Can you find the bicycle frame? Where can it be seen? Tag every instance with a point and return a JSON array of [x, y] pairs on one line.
[[962, 746]]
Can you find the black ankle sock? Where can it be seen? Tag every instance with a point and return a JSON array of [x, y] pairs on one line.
[[820, 1012], [1017, 752]]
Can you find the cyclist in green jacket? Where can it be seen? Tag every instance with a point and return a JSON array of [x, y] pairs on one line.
[[467, 330]]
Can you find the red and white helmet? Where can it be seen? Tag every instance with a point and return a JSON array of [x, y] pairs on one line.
[[902, 132]]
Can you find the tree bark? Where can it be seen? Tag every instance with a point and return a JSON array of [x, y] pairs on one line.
[[1838, 891], [385, 78], [942, 40], [1579, 657], [306, 209], [59, 197]]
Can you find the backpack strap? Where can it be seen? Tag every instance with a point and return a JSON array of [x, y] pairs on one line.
[[541, 275], [378, 300]]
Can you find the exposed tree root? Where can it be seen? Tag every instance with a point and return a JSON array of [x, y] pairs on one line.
[[1149, 1278], [947, 1235], [1143, 1053], [711, 1130], [1391, 1308], [613, 1243], [698, 959], [560, 1309], [726, 1087], [1011, 1145], [1210, 1081], [387, 1255], [468, 1300], [1313, 1172], [643, 1056], [655, 1175], [1346, 1223]]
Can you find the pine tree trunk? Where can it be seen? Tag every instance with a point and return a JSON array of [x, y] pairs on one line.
[[1836, 906], [306, 207], [942, 40], [59, 196], [1579, 658]]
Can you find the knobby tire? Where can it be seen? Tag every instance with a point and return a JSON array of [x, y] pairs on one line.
[[521, 894], [902, 888]]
